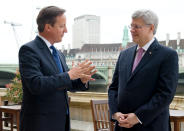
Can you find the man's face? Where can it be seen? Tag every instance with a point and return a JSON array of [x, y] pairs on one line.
[[140, 31], [58, 29]]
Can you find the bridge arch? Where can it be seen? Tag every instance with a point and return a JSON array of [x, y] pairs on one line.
[[6, 77], [102, 75], [100, 83]]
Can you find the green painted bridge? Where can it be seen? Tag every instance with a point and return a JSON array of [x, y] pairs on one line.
[[7, 73], [103, 76], [10, 68]]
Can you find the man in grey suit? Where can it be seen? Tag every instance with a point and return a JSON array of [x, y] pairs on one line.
[[46, 77], [145, 79]]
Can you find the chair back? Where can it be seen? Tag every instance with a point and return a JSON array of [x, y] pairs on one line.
[[101, 117], [69, 100]]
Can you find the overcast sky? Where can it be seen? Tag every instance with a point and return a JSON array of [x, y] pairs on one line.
[[115, 14]]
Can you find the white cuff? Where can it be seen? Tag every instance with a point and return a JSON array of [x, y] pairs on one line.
[[139, 120]]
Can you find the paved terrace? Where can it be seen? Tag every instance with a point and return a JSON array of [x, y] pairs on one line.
[[81, 116]]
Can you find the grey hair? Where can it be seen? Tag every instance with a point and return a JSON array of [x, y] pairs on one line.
[[148, 16]]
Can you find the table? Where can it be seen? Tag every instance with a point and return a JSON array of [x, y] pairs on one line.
[[177, 116], [14, 110]]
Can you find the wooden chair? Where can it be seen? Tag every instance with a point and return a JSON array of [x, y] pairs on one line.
[[14, 111], [69, 100], [7, 118], [101, 117]]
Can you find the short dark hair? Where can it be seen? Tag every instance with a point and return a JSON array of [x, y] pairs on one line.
[[48, 15]]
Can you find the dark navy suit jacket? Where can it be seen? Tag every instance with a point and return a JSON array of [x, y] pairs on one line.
[[147, 91], [44, 105]]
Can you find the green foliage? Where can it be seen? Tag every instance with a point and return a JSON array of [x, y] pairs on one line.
[[14, 89]]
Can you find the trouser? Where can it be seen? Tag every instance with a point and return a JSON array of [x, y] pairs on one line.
[[67, 124]]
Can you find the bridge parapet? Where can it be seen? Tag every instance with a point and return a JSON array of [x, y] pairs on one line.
[[181, 69], [106, 72], [11, 68]]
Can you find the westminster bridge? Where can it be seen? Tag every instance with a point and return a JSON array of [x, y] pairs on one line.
[[103, 77]]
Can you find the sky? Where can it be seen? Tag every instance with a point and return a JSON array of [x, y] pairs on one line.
[[114, 14]]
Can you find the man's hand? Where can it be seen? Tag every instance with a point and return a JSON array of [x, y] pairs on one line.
[[91, 71], [118, 116], [83, 70], [129, 121], [78, 72], [85, 79]]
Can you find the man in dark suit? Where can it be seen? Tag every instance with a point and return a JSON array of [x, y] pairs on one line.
[[145, 79], [46, 77]]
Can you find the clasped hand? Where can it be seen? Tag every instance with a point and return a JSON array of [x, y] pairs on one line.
[[126, 120], [83, 70]]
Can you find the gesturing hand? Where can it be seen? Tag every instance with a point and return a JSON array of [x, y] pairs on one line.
[[82, 70], [90, 71]]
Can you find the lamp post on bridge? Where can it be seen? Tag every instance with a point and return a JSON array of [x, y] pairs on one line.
[[34, 30], [13, 25]]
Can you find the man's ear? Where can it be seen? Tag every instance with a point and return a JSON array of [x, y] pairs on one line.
[[152, 27], [48, 27]]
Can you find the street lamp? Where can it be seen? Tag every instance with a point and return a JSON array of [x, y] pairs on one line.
[[13, 25], [33, 28]]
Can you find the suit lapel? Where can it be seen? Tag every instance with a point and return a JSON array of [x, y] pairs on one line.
[[46, 53], [146, 58], [130, 59]]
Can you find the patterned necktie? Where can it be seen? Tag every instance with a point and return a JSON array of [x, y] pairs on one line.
[[138, 58], [56, 58]]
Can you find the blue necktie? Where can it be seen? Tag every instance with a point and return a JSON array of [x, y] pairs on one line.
[[56, 58], [58, 63]]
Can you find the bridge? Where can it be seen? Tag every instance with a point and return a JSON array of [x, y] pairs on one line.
[[103, 76], [7, 73], [11, 68]]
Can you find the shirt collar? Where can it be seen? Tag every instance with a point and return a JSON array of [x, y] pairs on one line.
[[46, 41], [147, 45]]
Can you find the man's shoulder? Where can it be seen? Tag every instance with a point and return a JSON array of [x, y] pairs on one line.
[[166, 49], [129, 49], [30, 43], [34, 44]]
